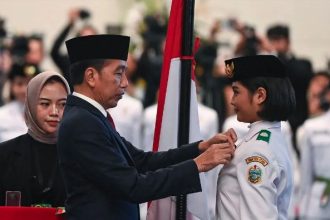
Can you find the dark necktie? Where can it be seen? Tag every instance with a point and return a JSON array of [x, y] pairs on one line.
[[111, 121]]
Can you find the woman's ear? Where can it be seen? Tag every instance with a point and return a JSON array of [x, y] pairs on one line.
[[90, 76], [260, 95]]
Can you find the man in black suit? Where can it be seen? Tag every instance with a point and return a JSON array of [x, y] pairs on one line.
[[105, 175]]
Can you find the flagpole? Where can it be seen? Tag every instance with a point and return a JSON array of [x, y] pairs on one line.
[[185, 87]]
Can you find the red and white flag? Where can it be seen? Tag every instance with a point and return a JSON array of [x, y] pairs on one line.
[[167, 121]]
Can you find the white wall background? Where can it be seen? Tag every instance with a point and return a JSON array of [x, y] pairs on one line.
[[308, 19]]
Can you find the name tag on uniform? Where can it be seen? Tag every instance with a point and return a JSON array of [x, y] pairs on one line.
[[258, 159]]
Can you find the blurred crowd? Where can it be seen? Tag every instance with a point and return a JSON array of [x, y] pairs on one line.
[[22, 55]]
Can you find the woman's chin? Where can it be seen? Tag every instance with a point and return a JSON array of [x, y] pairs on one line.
[[50, 130]]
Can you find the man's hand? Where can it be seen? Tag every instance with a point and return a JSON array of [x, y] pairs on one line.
[[217, 154], [228, 136], [73, 15], [217, 150], [232, 135]]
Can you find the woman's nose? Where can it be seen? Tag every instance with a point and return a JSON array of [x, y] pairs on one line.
[[54, 110]]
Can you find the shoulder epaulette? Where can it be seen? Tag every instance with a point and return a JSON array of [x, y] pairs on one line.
[[264, 135]]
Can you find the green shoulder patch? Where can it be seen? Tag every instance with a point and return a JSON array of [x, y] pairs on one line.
[[264, 135]]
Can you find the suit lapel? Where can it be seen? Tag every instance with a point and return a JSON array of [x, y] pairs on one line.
[[128, 155], [76, 101], [120, 143]]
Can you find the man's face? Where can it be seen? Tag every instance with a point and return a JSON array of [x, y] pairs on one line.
[[280, 45], [35, 54], [110, 83], [316, 86], [86, 31], [244, 104]]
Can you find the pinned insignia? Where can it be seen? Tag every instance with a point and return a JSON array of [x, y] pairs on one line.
[[258, 159], [230, 70], [254, 175], [264, 135], [30, 70]]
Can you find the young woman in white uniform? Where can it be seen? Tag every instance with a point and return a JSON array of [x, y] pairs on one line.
[[257, 183]]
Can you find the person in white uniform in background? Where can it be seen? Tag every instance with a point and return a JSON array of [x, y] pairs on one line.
[[258, 182], [315, 163], [12, 114], [208, 122], [317, 85], [127, 117]]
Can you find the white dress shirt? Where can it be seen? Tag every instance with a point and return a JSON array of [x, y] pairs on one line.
[[92, 102]]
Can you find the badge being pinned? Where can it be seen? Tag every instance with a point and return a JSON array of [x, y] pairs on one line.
[[255, 174]]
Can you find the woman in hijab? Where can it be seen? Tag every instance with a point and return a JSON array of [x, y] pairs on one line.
[[29, 173]]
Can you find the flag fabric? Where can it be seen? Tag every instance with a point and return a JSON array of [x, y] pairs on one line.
[[167, 121]]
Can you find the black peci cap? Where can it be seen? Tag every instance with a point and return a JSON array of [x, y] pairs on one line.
[[97, 47], [254, 66]]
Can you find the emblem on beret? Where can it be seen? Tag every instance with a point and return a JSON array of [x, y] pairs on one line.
[[30, 70], [254, 175], [230, 70]]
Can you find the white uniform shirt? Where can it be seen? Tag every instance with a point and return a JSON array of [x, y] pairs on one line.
[[315, 162], [127, 116], [242, 128], [208, 123], [12, 122], [257, 183], [148, 124]]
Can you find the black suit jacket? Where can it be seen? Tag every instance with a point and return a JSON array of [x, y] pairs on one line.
[[106, 177], [18, 172]]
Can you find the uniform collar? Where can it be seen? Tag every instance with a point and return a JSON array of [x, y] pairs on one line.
[[327, 113], [255, 127]]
